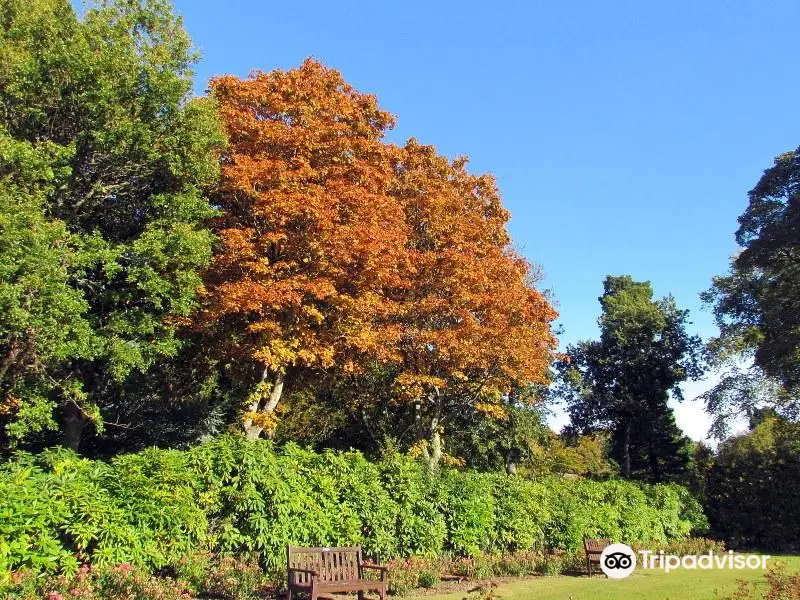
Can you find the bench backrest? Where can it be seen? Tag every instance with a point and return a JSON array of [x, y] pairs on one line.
[[595, 545], [332, 564]]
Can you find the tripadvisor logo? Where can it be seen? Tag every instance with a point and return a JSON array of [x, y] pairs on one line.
[[619, 560]]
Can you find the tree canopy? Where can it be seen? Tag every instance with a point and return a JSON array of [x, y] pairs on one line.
[[622, 382], [106, 159], [756, 303], [752, 486], [343, 255]]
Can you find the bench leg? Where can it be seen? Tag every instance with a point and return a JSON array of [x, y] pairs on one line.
[[588, 566]]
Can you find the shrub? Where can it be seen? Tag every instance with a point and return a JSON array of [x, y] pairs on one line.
[[469, 512], [234, 579], [683, 547], [427, 578], [519, 564], [236, 497], [552, 565], [420, 528], [573, 562], [31, 515], [402, 579], [60, 510], [193, 569], [780, 585], [123, 582], [413, 572], [521, 511], [481, 566]]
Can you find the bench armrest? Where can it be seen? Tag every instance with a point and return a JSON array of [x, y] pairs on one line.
[[384, 570]]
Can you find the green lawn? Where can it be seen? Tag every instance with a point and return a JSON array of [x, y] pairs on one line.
[[652, 584]]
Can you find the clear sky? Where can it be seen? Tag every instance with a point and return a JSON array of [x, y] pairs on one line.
[[624, 135]]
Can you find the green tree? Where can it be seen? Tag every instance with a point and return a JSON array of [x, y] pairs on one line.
[[622, 382], [756, 303], [753, 486], [506, 438], [701, 460], [106, 160]]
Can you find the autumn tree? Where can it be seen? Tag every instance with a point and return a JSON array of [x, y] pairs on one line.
[[344, 256], [312, 246], [105, 160], [622, 382], [474, 326]]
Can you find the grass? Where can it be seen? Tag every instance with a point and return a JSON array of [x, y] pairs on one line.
[[652, 584]]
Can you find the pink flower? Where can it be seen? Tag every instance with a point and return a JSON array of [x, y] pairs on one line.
[[126, 566], [54, 596]]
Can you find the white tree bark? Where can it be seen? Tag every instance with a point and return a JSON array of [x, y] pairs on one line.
[[253, 430]]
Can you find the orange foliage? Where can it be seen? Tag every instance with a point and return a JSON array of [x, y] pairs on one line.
[[339, 250], [471, 318], [310, 240]]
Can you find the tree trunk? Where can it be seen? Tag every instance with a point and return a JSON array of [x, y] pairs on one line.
[[435, 455], [511, 464], [429, 432], [73, 424], [253, 430], [626, 450]]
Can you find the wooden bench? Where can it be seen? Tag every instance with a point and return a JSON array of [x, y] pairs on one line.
[[594, 548], [324, 571]]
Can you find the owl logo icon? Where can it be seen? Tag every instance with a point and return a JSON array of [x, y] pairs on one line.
[[618, 561]]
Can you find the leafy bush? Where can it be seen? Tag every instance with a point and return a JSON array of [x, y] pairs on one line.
[[469, 512], [123, 582], [413, 572], [521, 511], [420, 527], [241, 498], [427, 579], [780, 585], [516, 564], [552, 565], [519, 564], [60, 510], [234, 579], [694, 546], [481, 566]]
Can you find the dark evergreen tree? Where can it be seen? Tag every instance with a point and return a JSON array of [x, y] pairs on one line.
[[622, 382]]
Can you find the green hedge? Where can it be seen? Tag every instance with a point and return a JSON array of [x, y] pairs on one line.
[[239, 497]]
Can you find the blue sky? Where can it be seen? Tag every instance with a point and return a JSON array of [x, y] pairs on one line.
[[624, 135]]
